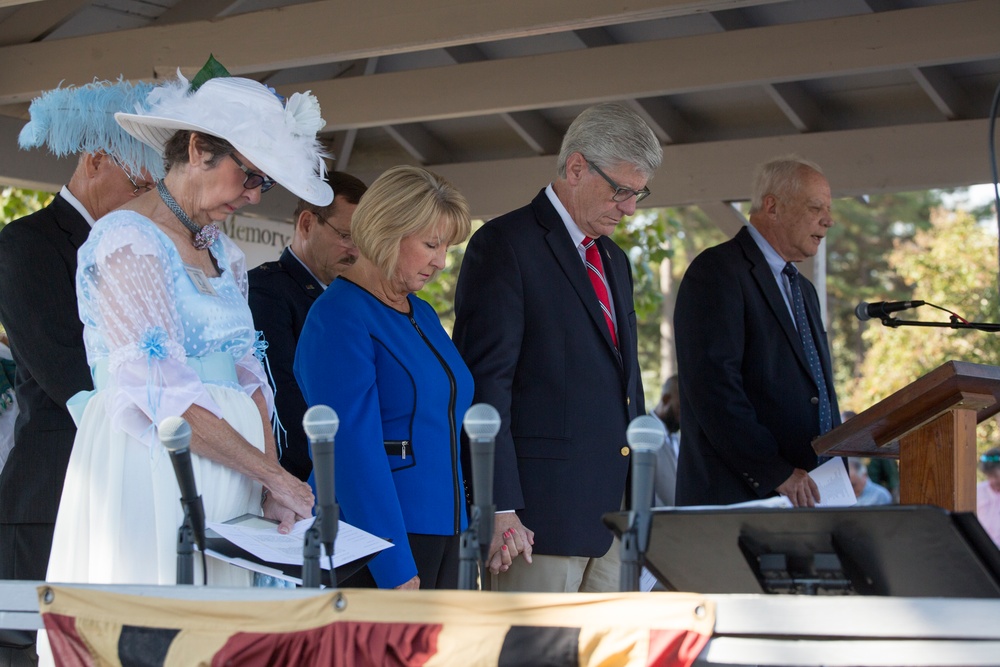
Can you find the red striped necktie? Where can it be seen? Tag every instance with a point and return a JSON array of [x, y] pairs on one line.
[[595, 271]]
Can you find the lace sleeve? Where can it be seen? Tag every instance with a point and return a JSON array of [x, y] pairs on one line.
[[125, 285], [237, 261], [252, 374], [251, 370]]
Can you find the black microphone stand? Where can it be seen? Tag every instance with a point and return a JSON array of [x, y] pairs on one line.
[[468, 553], [474, 546], [185, 552], [631, 556], [335, 510], [310, 558], [954, 323]]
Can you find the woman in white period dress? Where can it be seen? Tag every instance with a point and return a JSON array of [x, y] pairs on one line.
[[163, 299]]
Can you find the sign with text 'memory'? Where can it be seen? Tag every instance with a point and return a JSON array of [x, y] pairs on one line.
[[262, 240]]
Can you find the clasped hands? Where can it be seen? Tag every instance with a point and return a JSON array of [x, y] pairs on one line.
[[510, 539]]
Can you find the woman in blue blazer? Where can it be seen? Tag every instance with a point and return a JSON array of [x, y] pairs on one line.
[[378, 355]]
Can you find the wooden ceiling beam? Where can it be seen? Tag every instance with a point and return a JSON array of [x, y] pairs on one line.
[[922, 37], [313, 33]]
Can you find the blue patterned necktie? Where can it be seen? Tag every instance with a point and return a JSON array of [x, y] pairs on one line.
[[809, 345]]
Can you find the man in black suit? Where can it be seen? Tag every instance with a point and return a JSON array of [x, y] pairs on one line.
[[38, 308], [551, 343], [282, 292], [753, 393]]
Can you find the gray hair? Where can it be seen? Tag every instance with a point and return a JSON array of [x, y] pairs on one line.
[[779, 176], [610, 134]]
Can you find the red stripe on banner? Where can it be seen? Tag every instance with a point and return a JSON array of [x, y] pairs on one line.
[[343, 644], [674, 648], [68, 649]]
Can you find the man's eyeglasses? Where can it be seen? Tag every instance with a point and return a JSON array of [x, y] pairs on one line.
[[253, 179], [621, 193], [344, 238], [138, 187]]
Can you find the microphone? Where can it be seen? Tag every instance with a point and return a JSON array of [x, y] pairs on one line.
[[175, 434], [881, 309], [644, 435], [320, 424], [482, 423]]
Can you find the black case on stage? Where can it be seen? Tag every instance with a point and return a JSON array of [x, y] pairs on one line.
[[898, 550]]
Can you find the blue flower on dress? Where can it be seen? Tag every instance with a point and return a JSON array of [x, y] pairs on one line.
[[153, 343], [260, 347]]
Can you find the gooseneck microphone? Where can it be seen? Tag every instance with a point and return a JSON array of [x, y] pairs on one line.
[[882, 309], [320, 424], [175, 434]]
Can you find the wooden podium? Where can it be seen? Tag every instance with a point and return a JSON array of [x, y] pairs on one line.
[[930, 426]]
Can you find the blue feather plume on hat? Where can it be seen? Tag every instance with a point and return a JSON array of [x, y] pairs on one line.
[[81, 119]]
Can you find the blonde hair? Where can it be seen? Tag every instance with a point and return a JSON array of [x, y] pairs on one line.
[[404, 201]]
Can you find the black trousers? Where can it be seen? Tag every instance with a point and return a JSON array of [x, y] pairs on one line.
[[24, 555], [436, 557]]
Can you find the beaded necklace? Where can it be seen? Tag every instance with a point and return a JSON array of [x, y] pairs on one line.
[[205, 236]]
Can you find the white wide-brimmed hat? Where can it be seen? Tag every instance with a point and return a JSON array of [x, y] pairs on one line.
[[278, 138]]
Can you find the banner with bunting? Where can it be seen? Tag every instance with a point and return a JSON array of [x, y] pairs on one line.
[[379, 628]]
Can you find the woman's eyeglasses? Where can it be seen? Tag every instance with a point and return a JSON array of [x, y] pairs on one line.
[[253, 179]]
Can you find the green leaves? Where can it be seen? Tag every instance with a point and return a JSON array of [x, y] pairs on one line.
[[17, 203]]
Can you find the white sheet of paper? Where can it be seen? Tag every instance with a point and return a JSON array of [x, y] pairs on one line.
[[646, 581], [834, 484], [262, 539], [773, 501], [252, 566]]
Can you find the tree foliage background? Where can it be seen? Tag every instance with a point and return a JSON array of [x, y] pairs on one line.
[[16, 203]]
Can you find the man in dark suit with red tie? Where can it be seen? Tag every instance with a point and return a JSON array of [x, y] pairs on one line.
[[282, 292], [546, 323], [752, 352]]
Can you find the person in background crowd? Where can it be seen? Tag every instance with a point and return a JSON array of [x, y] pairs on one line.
[[988, 494], [545, 319], [8, 402], [668, 410], [881, 471], [377, 354], [754, 365], [867, 491], [163, 299], [281, 294]]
